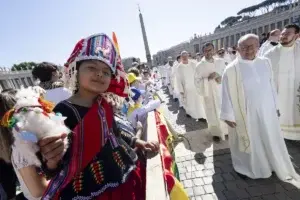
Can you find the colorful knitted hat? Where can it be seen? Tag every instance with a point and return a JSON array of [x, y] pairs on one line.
[[98, 47]]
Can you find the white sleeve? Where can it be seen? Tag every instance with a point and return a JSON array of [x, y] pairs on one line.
[[179, 81], [19, 159], [274, 90], [227, 112]]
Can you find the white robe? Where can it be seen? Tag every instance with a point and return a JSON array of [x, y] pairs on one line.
[[249, 99], [286, 69], [210, 91], [267, 46], [169, 78], [163, 71], [192, 102], [173, 82]]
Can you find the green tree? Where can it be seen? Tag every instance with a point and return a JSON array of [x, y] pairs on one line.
[[24, 66]]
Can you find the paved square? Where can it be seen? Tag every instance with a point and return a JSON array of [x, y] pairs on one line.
[[206, 169]]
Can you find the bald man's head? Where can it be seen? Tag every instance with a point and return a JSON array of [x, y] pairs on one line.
[[248, 46], [274, 35]]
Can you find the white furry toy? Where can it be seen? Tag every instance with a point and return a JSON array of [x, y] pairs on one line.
[[32, 119]]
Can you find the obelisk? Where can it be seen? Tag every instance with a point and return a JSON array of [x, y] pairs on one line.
[[148, 55]]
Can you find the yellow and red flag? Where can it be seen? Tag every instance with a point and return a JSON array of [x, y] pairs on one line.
[[171, 175]]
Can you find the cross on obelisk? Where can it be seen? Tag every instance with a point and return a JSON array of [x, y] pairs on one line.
[[148, 55]]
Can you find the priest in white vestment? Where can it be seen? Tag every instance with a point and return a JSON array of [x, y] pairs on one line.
[[285, 59], [168, 68], [270, 43], [192, 102], [163, 71], [249, 108], [207, 80], [176, 95]]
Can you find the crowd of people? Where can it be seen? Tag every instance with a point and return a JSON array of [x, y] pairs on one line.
[[250, 93], [106, 110]]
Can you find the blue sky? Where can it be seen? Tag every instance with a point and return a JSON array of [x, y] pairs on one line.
[[40, 30]]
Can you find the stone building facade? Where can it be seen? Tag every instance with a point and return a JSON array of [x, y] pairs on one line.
[[14, 79], [228, 36]]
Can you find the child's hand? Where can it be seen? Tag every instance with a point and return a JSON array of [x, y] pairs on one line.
[[52, 149]]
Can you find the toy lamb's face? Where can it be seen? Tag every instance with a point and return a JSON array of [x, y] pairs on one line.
[[27, 97]]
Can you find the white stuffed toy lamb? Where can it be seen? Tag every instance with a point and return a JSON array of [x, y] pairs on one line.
[[32, 119]]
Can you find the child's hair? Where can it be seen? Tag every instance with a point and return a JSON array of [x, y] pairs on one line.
[[7, 102]]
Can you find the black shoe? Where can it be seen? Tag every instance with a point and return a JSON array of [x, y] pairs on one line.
[[175, 100], [202, 120], [188, 116], [242, 176], [216, 139]]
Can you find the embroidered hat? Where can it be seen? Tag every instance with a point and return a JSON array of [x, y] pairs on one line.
[[136, 93], [95, 47], [98, 47]]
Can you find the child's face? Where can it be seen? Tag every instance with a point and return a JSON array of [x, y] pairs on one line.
[[94, 76]]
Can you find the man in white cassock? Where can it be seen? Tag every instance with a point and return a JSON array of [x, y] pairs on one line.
[[250, 110], [285, 59], [207, 80], [169, 67], [270, 43], [192, 102], [163, 71], [176, 95]]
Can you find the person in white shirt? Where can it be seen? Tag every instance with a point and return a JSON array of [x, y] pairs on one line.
[[249, 107], [231, 53], [207, 79], [192, 101], [48, 76], [285, 59], [270, 43]]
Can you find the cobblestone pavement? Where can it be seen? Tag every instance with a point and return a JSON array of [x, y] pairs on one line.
[[206, 169]]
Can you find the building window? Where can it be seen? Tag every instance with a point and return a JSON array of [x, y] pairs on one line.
[[197, 48], [273, 26], [238, 36], [279, 25], [227, 41], [254, 31], [23, 82], [260, 30], [266, 29], [13, 83], [243, 33], [18, 83], [249, 31], [286, 22], [232, 41], [222, 42], [2, 84]]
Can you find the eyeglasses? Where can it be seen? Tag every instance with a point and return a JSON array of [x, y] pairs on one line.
[[249, 48]]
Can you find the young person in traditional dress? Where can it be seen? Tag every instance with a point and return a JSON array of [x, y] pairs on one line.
[[48, 75], [270, 43], [285, 59], [100, 163], [192, 102], [249, 108], [207, 79]]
